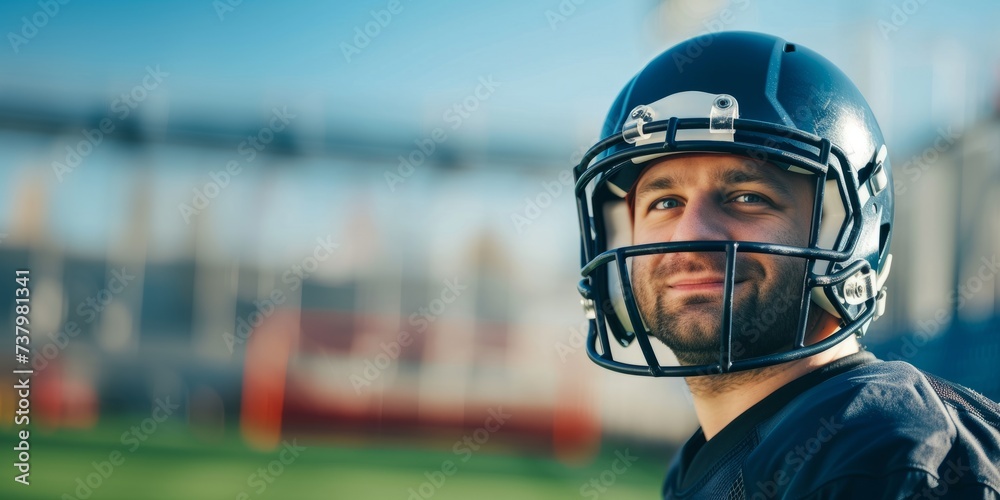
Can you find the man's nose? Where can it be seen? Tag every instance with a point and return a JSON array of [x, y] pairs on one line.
[[702, 219]]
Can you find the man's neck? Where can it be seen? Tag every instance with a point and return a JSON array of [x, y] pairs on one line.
[[719, 399]]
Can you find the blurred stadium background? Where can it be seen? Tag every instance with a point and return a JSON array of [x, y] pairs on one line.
[[255, 228]]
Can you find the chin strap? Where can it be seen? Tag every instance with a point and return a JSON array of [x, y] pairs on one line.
[[865, 285]]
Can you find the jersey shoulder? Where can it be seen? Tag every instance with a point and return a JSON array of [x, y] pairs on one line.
[[885, 421]]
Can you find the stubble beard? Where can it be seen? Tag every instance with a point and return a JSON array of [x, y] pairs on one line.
[[765, 310]]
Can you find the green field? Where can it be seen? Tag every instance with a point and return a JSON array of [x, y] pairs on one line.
[[173, 464]]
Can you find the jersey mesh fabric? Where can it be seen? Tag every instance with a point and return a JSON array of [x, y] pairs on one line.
[[880, 430]]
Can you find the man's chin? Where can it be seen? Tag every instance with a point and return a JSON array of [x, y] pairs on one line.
[[697, 317], [693, 345], [697, 358]]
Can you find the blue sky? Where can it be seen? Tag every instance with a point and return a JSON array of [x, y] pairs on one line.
[[556, 79]]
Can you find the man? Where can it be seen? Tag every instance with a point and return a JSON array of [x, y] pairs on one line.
[[739, 211]]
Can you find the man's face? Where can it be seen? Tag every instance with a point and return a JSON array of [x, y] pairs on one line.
[[720, 197]]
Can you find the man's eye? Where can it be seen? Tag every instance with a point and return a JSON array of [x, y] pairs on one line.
[[665, 204], [749, 198]]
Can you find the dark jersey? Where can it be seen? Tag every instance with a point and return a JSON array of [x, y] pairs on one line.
[[856, 428]]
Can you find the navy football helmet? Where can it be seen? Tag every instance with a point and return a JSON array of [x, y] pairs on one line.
[[755, 96]]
